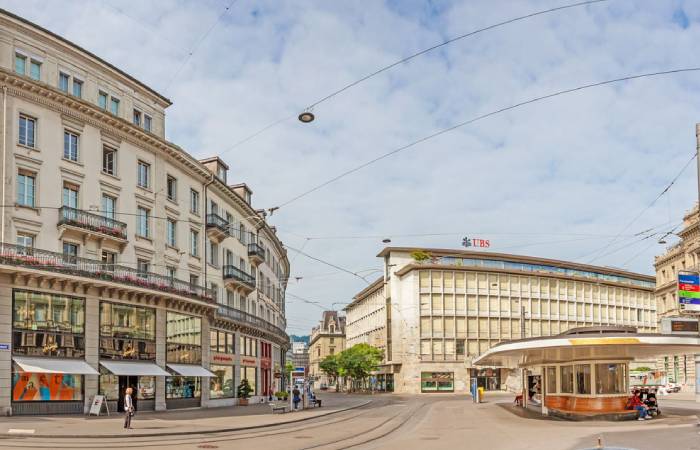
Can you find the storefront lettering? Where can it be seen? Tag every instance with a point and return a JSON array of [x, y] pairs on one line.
[[476, 242], [249, 362], [222, 358]]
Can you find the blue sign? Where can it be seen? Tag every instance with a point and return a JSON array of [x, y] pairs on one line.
[[689, 292], [4, 346]]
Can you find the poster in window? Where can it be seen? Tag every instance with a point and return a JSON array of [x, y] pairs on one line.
[[28, 387]]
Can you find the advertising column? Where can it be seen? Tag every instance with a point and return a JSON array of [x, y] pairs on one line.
[[689, 302]]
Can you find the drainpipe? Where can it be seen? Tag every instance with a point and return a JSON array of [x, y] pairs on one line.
[[4, 162], [204, 210]]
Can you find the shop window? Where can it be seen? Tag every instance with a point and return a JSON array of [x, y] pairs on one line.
[[221, 385], [610, 378], [567, 379], [250, 374], [183, 338], [583, 379], [437, 381], [183, 387], [29, 387], [127, 332]]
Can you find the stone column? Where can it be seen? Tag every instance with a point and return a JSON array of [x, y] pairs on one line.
[[205, 360], [161, 323], [92, 347], [6, 355]]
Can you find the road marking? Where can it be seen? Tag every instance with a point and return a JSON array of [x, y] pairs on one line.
[[20, 431]]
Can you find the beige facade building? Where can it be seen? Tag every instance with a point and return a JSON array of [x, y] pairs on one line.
[[328, 338], [678, 258], [124, 261], [443, 312]]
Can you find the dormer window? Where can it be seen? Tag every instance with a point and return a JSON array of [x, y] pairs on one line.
[[221, 173]]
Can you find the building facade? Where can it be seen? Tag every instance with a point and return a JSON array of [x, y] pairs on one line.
[[328, 338], [681, 257], [124, 261], [443, 311]]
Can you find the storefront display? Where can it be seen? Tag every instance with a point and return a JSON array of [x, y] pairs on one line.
[[250, 374], [437, 381], [127, 332], [183, 339], [27, 387], [183, 387], [222, 385]]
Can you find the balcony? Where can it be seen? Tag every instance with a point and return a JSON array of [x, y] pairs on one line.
[[217, 228], [256, 254], [83, 223], [36, 259], [238, 280], [246, 319]]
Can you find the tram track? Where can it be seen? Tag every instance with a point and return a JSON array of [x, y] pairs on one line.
[[203, 438]]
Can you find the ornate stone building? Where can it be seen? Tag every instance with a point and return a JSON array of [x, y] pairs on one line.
[[328, 338]]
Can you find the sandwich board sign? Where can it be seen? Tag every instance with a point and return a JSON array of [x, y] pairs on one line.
[[97, 402], [689, 292]]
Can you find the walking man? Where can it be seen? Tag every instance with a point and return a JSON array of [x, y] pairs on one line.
[[128, 408], [296, 397]]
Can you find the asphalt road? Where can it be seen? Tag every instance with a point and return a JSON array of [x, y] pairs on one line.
[[422, 422]]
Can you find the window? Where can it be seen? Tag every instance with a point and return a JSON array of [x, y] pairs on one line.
[[183, 387], [70, 249], [172, 188], [114, 106], [171, 272], [610, 378], [143, 266], [142, 222], [109, 206], [194, 201], [250, 374], [35, 70], [77, 88], [221, 385], [137, 117], [551, 380], [63, 81], [26, 187], [109, 260], [213, 255], [27, 131], [125, 321], [147, 122], [25, 240], [194, 280], [583, 379], [221, 173], [144, 174], [70, 146], [183, 338], [109, 161], [194, 243], [102, 100], [20, 64], [567, 379], [171, 232], [70, 196]]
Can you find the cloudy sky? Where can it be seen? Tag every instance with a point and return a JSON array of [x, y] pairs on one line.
[[560, 178]]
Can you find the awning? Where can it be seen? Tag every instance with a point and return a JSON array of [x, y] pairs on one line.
[[135, 368], [50, 365], [188, 370]]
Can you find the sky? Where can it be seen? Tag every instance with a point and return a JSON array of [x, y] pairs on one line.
[[565, 178]]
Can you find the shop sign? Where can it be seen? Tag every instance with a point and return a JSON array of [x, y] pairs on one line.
[[249, 362], [475, 242], [689, 292], [221, 358], [265, 363]]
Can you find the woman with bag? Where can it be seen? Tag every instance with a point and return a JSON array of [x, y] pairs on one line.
[[128, 408]]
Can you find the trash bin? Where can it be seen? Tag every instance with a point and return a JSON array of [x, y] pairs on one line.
[[481, 394]]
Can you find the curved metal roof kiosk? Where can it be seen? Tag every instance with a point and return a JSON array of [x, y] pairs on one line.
[[585, 371]]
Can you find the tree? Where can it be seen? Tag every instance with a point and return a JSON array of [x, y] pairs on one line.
[[329, 366], [244, 389], [420, 256], [359, 361]]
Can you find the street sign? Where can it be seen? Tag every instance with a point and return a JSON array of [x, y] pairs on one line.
[[689, 292], [5, 347]]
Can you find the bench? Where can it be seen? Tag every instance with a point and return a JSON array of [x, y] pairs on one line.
[[281, 408], [316, 402]]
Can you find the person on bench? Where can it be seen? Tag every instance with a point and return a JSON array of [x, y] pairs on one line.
[[635, 402]]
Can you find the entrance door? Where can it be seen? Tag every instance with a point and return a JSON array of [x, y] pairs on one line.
[[125, 382]]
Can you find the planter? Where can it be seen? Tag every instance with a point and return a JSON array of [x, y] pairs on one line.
[[242, 402]]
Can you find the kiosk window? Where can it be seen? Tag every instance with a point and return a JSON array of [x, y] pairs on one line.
[[567, 379]]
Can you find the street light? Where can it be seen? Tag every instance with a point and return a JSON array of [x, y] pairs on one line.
[[306, 117]]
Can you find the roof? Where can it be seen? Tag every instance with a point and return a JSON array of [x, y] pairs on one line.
[[214, 158], [87, 52], [586, 347], [373, 287], [518, 258]]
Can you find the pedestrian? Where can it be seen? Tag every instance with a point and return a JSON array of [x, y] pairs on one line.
[[296, 397], [128, 408]]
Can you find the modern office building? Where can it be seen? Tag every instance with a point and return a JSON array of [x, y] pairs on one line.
[[681, 257], [435, 310], [300, 356], [328, 338], [124, 261]]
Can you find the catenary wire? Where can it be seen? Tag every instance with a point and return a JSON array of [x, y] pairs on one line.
[[355, 274], [408, 58], [481, 117]]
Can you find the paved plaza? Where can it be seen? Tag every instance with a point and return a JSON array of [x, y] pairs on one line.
[[365, 422]]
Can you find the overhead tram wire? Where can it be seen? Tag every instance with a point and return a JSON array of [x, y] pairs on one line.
[[198, 43], [342, 269], [481, 117], [406, 59], [666, 189]]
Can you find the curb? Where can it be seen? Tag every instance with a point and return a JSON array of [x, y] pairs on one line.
[[179, 433]]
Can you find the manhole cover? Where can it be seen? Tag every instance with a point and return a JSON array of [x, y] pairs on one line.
[[207, 446]]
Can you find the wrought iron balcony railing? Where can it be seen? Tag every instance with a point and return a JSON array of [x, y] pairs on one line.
[[256, 250], [34, 258], [237, 315], [93, 222], [239, 275], [214, 220]]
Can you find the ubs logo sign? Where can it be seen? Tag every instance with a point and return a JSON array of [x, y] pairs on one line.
[[475, 242]]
